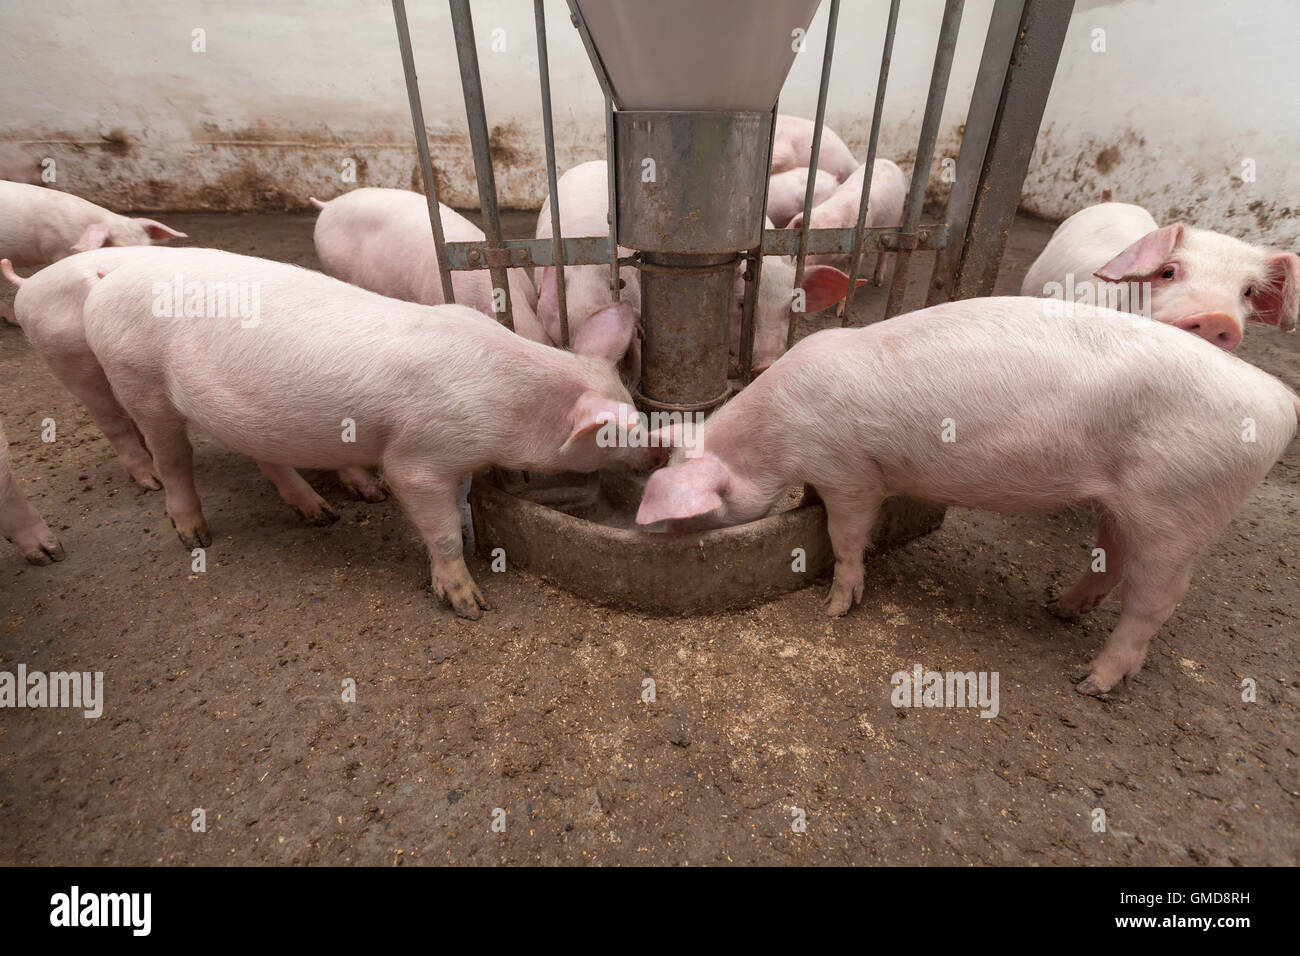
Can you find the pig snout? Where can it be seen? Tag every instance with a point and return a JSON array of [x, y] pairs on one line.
[[1216, 327]]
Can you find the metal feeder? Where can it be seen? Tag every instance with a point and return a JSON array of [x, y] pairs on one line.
[[689, 123]]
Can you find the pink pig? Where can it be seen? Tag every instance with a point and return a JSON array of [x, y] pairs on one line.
[[840, 211], [19, 521], [39, 225], [1204, 282], [792, 148], [333, 376], [381, 240], [49, 308], [1003, 404], [584, 208], [786, 192]]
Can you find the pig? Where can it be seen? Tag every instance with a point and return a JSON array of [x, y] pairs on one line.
[[49, 309], [774, 304], [19, 165], [433, 393], [840, 211], [19, 521], [38, 225], [786, 192], [1049, 405], [1204, 282], [584, 211], [792, 148], [381, 240]]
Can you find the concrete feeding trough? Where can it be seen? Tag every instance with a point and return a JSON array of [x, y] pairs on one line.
[[693, 88]]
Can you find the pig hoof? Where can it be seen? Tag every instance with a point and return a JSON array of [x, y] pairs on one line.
[[1057, 609], [196, 537], [321, 516], [45, 554], [1090, 686]]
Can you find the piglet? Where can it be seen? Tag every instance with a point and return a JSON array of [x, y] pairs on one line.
[[44, 225], [786, 192], [19, 521], [1209, 284], [584, 211], [335, 376], [381, 240], [840, 210], [49, 308], [1001, 404], [792, 148]]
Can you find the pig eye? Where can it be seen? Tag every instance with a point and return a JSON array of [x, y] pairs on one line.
[[1168, 272], [1248, 291]]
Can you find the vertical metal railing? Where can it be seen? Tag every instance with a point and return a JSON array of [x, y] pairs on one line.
[[996, 145], [753, 276], [548, 132], [602, 77], [462, 25], [422, 145], [859, 238], [934, 101], [819, 123]]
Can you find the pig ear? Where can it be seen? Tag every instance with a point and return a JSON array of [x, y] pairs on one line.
[[1143, 257], [607, 334], [157, 230], [683, 491], [824, 286], [1277, 302], [592, 411], [94, 237]]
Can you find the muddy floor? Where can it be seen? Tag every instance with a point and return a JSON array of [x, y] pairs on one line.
[[223, 689]]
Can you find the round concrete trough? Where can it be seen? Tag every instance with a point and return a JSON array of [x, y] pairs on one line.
[[675, 573]]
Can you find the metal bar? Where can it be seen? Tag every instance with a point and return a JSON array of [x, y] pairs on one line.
[[999, 42], [422, 145], [615, 284], [594, 250], [548, 133], [526, 253], [925, 147], [855, 263], [1038, 46], [462, 25], [818, 123], [602, 77], [753, 275]]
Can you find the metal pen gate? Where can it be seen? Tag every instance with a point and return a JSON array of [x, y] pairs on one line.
[[1021, 50]]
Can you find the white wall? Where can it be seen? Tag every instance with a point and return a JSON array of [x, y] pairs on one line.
[[1186, 90]]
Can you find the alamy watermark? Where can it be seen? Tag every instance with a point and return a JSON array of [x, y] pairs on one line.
[[656, 430], [922, 688], [76, 689], [209, 299], [1132, 297]]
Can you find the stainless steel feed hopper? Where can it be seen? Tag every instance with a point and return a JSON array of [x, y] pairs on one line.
[[691, 91]]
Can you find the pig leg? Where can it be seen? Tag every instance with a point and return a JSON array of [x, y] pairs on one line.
[[849, 520], [20, 523], [362, 483], [86, 381], [164, 430], [430, 499], [1092, 588], [878, 276], [1154, 583], [297, 494]]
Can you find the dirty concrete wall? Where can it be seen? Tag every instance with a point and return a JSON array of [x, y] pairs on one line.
[[283, 95]]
